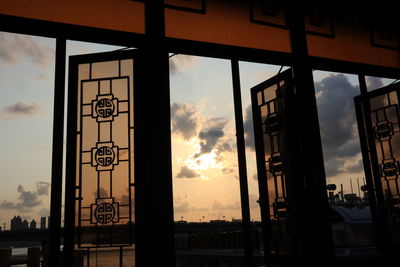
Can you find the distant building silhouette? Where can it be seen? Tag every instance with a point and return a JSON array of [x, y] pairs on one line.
[[16, 223], [25, 225], [43, 223], [32, 225]]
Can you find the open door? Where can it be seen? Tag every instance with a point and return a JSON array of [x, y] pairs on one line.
[[279, 178], [378, 118], [99, 201]]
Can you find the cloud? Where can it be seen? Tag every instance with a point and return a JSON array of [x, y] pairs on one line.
[[8, 205], [253, 201], [248, 128], [178, 198], [348, 165], [180, 63], [227, 170], [103, 192], [184, 207], [187, 122], [21, 109], [27, 200], [6, 54], [42, 188], [355, 167], [42, 76], [219, 206], [44, 212], [373, 83], [186, 172], [124, 199], [210, 136], [225, 147], [184, 120], [14, 47], [338, 123]]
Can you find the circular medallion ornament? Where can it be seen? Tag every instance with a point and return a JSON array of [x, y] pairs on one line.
[[105, 108], [104, 213], [104, 156]]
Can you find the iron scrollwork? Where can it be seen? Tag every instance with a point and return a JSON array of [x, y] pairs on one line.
[[383, 130], [105, 156], [105, 108], [105, 211]]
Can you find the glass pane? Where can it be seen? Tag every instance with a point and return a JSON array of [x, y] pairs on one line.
[[104, 218], [252, 74], [350, 214], [273, 116], [385, 124], [207, 205], [26, 126], [374, 83]]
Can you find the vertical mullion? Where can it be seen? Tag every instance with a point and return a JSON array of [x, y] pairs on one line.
[[315, 229], [383, 241], [70, 171], [153, 168], [241, 153], [261, 173], [367, 169], [57, 153]]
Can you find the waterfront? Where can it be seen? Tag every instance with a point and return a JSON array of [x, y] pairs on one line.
[[19, 252], [98, 258], [110, 257]]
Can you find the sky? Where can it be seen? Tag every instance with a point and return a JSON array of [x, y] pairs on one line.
[[26, 121], [26, 95], [205, 169], [338, 126], [206, 183]]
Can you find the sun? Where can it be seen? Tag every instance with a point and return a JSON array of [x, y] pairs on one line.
[[203, 162]]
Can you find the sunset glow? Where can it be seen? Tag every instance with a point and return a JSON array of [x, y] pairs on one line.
[[204, 162]]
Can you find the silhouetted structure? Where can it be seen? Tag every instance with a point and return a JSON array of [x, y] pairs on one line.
[[43, 223], [357, 37], [32, 225], [25, 224], [16, 223]]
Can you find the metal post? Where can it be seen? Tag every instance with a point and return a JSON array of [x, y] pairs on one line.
[[241, 153], [70, 172], [341, 192], [5, 257], [121, 256], [33, 257], [57, 155], [374, 184], [368, 180], [153, 169], [262, 183], [351, 186], [318, 231]]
